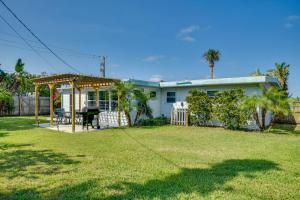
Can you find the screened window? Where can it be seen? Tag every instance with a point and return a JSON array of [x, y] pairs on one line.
[[212, 93], [91, 99], [171, 97], [103, 100], [152, 94], [114, 100]]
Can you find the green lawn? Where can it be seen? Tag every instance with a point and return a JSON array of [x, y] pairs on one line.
[[148, 163]]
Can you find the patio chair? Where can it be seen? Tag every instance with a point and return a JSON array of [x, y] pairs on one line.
[[59, 115]]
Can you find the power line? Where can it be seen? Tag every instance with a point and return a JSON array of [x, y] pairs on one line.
[[44, 50], [92, 56], [34, 35], [8, 24]]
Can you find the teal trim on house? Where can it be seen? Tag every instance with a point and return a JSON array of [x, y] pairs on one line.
[[143, 83], [222, 81], [209, 82]]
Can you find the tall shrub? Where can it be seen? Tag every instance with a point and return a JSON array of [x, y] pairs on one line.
[[200, 107], [270, 99], [125, 94], [142, 105], [6, 102], [228, 110]]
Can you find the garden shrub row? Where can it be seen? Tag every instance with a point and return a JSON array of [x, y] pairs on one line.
[[158, 121], [224, 107]]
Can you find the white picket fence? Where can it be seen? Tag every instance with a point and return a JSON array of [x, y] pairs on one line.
[[179, 114]]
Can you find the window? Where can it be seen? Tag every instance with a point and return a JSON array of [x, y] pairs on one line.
[[103, 100], [212, 93], [114, 100], [171, 97], [91, 99], [152, 94]]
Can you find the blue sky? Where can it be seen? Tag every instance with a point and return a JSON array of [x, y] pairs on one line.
[[154, 39]]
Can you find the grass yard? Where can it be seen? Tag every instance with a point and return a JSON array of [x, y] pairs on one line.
[[147, 163]]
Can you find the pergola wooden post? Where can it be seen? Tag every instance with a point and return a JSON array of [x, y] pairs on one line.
[[76, 81], [79, 99], [73, 105], [36, 89], [51, 88]]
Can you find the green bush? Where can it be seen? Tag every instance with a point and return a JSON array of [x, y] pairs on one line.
[[159, 121], [200, 107], [6, 102], [227, 109]]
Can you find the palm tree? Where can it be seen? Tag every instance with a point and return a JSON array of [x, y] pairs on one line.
[[20, 80], [211, 56], [257, 72], [281, 72], [270, 99], [142, 106], [124, 92]]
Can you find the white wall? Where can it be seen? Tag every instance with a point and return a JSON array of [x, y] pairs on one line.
[[154, 103], [66, 100], [182, 92]]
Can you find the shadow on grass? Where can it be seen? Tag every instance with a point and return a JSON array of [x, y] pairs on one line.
[[3, 134], [31, 163], [4, 146], [201, 181], [285, 129], [187, 181], [16, 123], [21, 194]]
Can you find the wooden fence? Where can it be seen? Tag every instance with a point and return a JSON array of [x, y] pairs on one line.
[[25, 105], [292, 118]]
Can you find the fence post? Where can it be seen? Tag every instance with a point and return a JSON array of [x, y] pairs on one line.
[[36, 104], [186, 118]]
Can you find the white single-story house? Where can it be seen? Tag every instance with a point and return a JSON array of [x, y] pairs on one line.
[[165, 94]]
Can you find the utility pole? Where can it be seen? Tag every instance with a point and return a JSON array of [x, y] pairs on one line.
[[102, 66]]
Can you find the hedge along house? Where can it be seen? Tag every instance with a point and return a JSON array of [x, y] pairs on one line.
[[164, 95]]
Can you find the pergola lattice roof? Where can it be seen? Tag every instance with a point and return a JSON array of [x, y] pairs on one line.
[[78, 79]]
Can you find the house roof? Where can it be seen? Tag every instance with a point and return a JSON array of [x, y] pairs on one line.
[[209, 82]]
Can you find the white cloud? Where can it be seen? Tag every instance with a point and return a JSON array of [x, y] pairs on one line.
[[291, 21], [189, 29], [153, 58], [186, 34], [188, 39], [288, 25], [156, 78], [293, 17]]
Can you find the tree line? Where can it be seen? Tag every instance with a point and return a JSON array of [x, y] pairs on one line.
[[18, 83]]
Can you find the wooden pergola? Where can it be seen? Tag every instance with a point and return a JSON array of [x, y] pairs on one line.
[[76, 81]]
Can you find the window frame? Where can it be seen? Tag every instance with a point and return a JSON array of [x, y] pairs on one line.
[[211, 93], [151, 94], [91, 100], [168, 97]]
